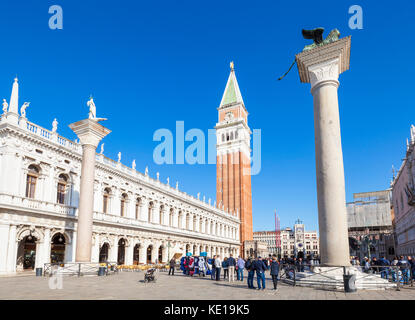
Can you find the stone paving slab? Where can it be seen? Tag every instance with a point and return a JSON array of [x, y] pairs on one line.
[[130, 285]]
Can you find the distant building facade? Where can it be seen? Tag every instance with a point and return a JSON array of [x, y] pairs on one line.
[[370, 228], [295, 242], [403, 201]]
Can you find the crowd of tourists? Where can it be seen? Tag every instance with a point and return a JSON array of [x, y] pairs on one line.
[[400, 268], [230, 268]]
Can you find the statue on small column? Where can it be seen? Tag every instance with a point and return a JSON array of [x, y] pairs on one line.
[[119, 156], [92, 108], [102, 149], [146, 171], [133, 165], [23, 109]]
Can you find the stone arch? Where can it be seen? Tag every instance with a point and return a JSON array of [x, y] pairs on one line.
[[68, 238], [26, 231]]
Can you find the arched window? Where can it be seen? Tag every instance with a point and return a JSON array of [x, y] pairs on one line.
[[236, 134], [227, 137], [57, 248], [200, 224], [188, 222], [123, 208], [160, 260], [232, 135], [31, 180], [223, 137], [61, 190], [180, 219], [137, 208], [105, 202], [149, 254]]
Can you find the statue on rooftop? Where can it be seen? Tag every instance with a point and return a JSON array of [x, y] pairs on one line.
[[119, 156], [23, 109], [146, 171], [177, 185], [5, 106], [102, 149], [133, 165], [55, 125]]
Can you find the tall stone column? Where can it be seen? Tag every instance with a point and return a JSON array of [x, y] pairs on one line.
[[90, 133], [321, 67]]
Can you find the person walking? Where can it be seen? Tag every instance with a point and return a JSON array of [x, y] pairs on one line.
[[225, 268], [218, 267], [274, 270], [260, 268], [249, 265], [213, 274], [231, 268], [240, 265], [172, 264]]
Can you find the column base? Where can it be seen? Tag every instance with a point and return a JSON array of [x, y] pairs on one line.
[[331, 278]]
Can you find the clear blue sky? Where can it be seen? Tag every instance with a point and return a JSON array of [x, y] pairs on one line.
[[149, 64]]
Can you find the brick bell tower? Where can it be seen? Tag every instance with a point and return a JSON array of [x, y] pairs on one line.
[[233, 169]]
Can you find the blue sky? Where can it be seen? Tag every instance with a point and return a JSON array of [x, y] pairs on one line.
[[150, 64]]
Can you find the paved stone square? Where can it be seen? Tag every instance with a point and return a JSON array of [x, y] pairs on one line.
[[130, 285]]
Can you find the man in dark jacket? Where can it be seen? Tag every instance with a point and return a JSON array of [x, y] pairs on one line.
[[260, 267], [274, 270], [213, 274], [249, 266], [172, 265]]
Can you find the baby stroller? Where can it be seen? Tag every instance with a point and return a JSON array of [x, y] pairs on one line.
[[150, 275]]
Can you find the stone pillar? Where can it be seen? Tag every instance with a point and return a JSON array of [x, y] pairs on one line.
[[90, 133], [142, 254], [321, 67], [129, 254], [12, 249], [4, 242]]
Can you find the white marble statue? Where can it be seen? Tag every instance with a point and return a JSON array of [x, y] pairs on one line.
[[198, 195], [168, 181], [158, 176], [412, 133], [92, 108], [204, 198], [146, 171], [210, 201], [119, 156], [177, 185], [55, 125], [23, 109], [5, 106], [102, 149], [133, 165]]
